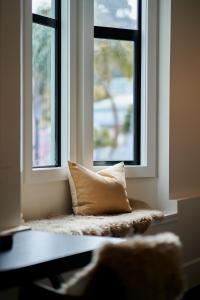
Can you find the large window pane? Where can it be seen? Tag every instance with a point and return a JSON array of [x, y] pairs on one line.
[[117, 13], [43, 85], [44, 8], [113, 100]]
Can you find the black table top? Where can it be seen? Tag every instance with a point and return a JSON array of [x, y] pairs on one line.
[[36, 254]]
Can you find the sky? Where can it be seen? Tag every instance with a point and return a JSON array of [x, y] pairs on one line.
[[37, 3], [132, 14]]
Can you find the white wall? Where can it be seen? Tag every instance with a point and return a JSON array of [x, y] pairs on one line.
[[9, 113], [45, 200], [164, 46]]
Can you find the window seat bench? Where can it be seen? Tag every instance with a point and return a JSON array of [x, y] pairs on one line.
[[118, 225]]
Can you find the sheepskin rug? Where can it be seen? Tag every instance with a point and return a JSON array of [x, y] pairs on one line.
[[108, 225], [143, 267]]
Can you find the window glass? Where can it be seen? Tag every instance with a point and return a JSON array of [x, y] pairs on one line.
[[116, 13], [113, 100], [44, 8], [43, 87], [117, 82]]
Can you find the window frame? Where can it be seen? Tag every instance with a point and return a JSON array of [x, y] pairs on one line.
[[54, 23], [130, 35], [148, 135], [42, 175]]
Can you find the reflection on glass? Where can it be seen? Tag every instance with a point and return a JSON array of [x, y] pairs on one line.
[[43, 70], [113, 100], [44, 8], [117, 13]]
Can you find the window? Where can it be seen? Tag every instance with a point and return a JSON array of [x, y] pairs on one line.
[[83, 130], [117, 82], [46, 83]]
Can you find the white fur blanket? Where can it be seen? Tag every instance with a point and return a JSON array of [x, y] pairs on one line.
[[108, 225]]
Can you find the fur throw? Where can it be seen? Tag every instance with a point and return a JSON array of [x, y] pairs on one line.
[[142, 268], [118, 225]]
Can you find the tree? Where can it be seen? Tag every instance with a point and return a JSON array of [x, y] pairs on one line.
[[41, 62], [111, 59]]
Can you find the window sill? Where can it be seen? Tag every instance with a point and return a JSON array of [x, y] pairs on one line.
[[43, 175], [168, 218]]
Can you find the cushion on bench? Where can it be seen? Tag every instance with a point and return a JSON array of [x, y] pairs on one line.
[[117, 225]]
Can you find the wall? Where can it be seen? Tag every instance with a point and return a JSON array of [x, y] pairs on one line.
[[186, 225], [9, 113], [179, 94], [45, 200], [185, 99], [164, 47]]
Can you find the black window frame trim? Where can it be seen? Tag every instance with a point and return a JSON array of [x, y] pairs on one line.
[[131, 35], [54, 23]]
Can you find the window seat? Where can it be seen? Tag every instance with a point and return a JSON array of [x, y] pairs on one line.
[[118, 225]]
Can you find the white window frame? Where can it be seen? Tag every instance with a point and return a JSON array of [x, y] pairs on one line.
[[40, 175], [148, 90], [77, 91]]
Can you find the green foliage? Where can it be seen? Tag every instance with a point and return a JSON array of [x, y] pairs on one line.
[[41, 45], [100, 92], [102, 138], [41, 68], [127, 121], [113, 59]]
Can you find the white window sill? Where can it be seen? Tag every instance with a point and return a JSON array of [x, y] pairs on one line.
[[168, 218], [42, 175]]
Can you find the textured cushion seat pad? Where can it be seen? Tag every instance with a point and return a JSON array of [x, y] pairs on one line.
[[117, 225]]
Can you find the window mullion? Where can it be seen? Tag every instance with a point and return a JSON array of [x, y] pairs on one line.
[[137, 90], [44, 21], [116, 33], [58, 84]]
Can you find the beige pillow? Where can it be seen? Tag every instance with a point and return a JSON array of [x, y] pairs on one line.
[[98, 193]]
